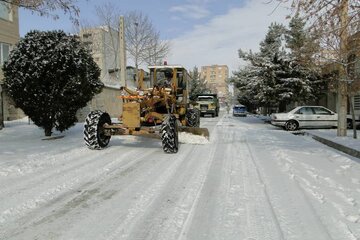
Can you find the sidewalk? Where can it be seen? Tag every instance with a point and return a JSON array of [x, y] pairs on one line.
[[329, 137]]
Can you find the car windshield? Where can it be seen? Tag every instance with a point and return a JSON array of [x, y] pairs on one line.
[[239, 108], [205, 98]]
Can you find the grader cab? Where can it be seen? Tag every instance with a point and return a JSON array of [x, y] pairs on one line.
[[160, 111]]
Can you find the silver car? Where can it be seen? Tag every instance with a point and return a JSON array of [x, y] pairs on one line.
[[305, 117]]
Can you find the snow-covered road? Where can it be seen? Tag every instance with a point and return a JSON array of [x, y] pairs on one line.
[[252, 181]]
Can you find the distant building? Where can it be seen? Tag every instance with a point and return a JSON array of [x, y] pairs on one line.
[[9, 36], [216, 79], [104, 46]]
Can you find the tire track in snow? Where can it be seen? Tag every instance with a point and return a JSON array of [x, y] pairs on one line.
[[308, 189], [296, 198], [61, 166], [219, 212], [153, 198], [197, 191], [25, 215], [124, 226], [256, 212]]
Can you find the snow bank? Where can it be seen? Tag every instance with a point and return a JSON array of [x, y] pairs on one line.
[[189, 138]]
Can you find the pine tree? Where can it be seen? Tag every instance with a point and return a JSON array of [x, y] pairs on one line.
[[277, 76], [303, 46], [248, 83], [50, 75], [259, 75], [197, 84], [273, 44]]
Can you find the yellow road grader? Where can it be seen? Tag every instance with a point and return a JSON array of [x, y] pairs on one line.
[[159, 111]]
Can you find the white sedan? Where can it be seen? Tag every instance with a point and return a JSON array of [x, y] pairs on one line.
[[305, 117]]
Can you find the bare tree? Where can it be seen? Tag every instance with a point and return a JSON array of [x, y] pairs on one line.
[[143, 43], [109, 16], [48, 7], [334, 21], [158, 51]]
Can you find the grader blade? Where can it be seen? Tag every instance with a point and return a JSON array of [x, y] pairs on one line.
[[196, 131]]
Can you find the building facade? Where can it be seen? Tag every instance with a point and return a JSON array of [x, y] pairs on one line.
[[216, 77], [104, 46], [9, 36]]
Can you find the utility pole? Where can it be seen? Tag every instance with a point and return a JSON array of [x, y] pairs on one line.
[[137, 53], [122, 54], [342, 87]]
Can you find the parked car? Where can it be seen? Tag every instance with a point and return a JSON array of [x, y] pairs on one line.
[[207, 104], [305, 117], [239, 110], [350, 123]]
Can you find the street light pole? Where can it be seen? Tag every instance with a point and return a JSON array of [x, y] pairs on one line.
[[122, 49], [136, 52]]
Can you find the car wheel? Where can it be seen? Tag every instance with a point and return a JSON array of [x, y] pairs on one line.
[[349, 124], [291, 125]]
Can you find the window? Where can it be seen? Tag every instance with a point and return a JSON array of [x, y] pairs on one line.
[[87, 35], [4, 52], [357, 102], [321, 111], [5, 11], [305, 111], [357, 67]]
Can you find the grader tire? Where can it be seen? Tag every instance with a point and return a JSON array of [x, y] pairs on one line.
[[169, 135], [93, 131], [193, 118]]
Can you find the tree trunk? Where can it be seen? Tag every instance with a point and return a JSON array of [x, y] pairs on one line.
[[342, 88], [342, 112], [282, 106], [48, 131]]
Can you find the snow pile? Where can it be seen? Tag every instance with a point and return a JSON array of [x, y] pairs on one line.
[[185, 137]]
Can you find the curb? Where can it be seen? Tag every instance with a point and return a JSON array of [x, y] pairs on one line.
[[341, 148], [350, 151]]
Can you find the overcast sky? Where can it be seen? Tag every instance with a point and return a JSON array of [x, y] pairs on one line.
[[201, 32]]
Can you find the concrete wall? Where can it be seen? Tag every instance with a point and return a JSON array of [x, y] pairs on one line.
[[106, 101]]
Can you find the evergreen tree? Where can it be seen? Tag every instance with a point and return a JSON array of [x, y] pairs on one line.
[[303, 46], [50, 75], [273, 44], [278, 75], [248, 84], [259, 75], [197, 84]]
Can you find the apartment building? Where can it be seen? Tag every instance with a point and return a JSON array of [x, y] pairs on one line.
[[9, 36], [104, 46], [216, 78], [354, 70]]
